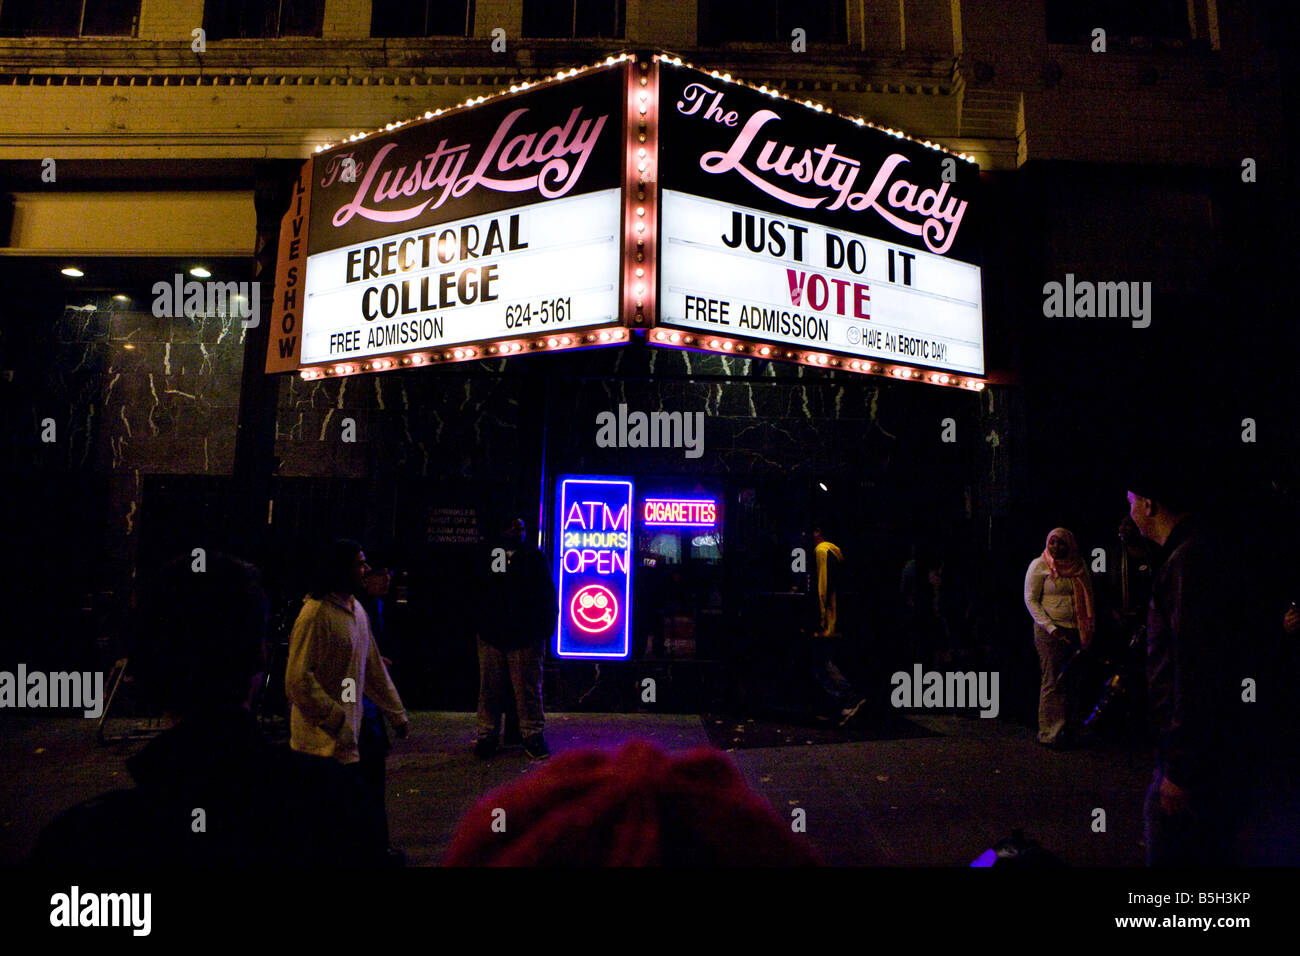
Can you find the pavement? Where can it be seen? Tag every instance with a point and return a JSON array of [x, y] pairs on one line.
[[937, 796]]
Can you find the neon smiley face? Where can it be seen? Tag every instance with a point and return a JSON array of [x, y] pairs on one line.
[[594, 608]]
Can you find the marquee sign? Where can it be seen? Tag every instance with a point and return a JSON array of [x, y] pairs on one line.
[[484, 231], [811, 234], [637, 197], [593, 549]]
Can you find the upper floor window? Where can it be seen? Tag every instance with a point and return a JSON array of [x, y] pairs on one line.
[[1069, 21], [573, 19], [422, 18], [770, 21], [78, 18], [258, 19]]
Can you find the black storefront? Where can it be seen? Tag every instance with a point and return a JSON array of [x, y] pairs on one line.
[[445, 455], [423, 463]]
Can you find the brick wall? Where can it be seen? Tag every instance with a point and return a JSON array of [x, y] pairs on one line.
[[667, 24], [506, 14], [346, 18], [170, 19]]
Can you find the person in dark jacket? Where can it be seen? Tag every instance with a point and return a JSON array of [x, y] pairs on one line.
[[210, 791], [1195, 669], [518, 612]]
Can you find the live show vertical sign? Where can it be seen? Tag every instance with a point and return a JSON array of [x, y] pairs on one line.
[[284, 346]]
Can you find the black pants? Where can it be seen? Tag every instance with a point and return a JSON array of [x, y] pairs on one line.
[[373, 745]]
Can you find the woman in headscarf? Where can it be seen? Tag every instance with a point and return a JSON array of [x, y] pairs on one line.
[[1058, 594]]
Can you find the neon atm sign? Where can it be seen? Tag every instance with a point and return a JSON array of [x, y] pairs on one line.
[[680, 512], [594, 549]]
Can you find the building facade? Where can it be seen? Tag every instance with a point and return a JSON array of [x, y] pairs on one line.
[[140, 139]]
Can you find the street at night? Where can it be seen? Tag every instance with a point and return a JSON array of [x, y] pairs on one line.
[[856, 439]]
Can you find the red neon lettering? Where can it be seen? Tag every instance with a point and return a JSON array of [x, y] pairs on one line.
[[665, 511]]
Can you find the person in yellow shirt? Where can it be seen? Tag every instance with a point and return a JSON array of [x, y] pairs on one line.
[[827, 559]]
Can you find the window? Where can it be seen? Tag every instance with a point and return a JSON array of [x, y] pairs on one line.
[[78, 18], [571, 19], [256, 19], [770, 21], [422, 18], [1069, 21]]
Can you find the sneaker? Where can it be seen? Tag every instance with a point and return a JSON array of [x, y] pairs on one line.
[[486, 747], [535, 747], [848, 713]]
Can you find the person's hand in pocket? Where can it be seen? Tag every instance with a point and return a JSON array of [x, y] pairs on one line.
[[344, 738]]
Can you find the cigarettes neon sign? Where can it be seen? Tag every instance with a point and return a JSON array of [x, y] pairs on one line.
[[680, 512], [594, 549]]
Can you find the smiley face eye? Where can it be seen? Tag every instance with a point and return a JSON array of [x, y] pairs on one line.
[[586, 600], [601, 600]]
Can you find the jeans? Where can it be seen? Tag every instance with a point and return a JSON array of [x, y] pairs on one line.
[[518, 672], [828, 675], [1053, 652]]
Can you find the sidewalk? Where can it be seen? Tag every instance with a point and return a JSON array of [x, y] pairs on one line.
[[936, 800], [935, 796]]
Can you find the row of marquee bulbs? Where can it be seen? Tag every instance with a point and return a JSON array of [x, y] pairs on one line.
[[812, 358], [476, 100], [662, 58], [816, 107], [467, 353], [557, 342]]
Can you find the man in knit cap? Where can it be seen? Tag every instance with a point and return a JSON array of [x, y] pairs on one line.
[[1195, 670]]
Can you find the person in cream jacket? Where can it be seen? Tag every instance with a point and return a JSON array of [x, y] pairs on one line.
[[334, 661], [1058, 594]]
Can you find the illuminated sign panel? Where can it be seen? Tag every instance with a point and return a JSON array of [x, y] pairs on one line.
[[640, 194], [785, 226], [594, 553], [498, 222], [490, 277], [680, 512]]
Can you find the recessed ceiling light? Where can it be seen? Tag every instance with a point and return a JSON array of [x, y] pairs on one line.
[[200, 273], [122, 298], [72, 271]]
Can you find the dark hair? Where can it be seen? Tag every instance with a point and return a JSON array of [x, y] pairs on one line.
[[200, 634], [1164, 482], [334, 567]]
